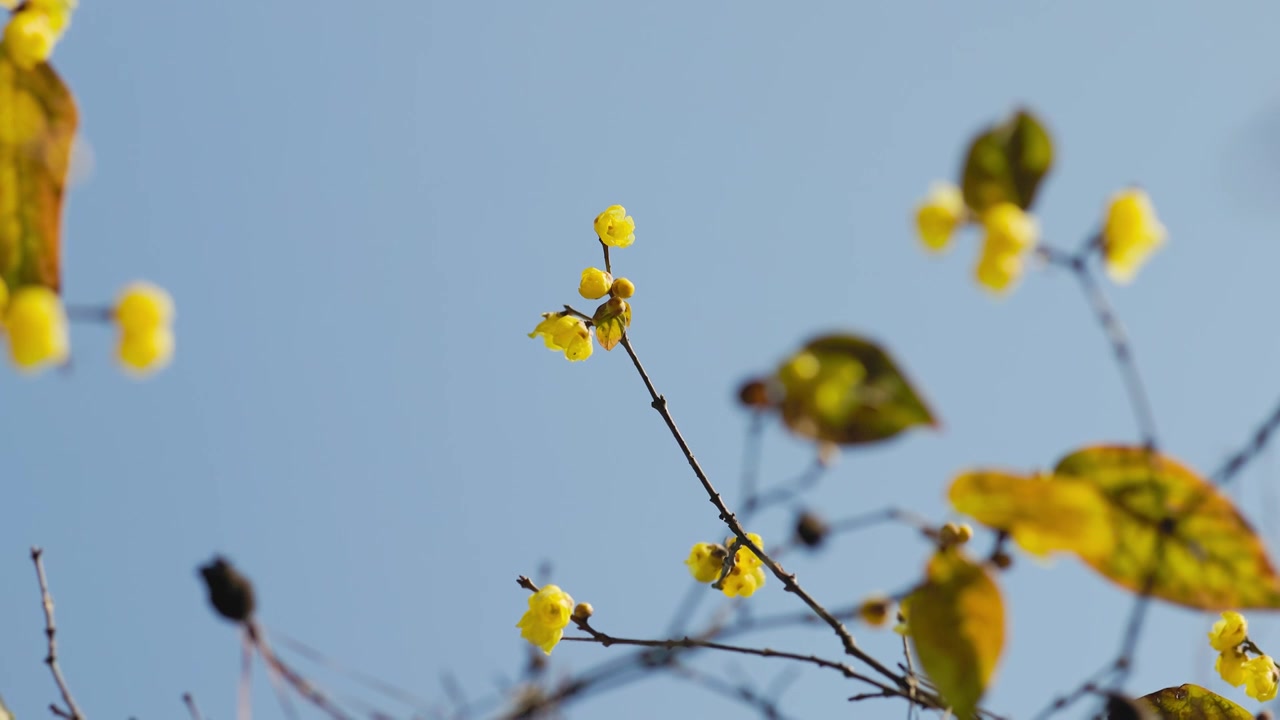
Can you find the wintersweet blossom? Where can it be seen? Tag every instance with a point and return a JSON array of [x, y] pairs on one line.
[[1130, 234], [1230, 666], [595, 283], [1260, 678], [34, 30], [938, 216], [37, 327], [622, 288], [565, 333], [615, 227], [1009, 233], [144, 314], [544, 622], [747, 574], [1228, 632], [705, 562]]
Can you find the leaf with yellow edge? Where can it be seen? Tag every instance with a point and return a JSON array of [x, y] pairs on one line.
[[1175, 529], [956, 624], [846, 390], [37, 125], [1040, 514], [1192, 702]]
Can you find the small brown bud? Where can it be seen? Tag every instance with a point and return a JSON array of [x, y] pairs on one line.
[[811, 529], [1002, 560], [230, 593], [874, 611], [754, 394]]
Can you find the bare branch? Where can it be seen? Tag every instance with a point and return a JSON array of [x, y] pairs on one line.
[[71, 711]]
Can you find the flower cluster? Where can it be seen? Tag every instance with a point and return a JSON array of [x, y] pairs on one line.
[[544, 622], [569, 331], [35, 324], [706, 563], [1130, 234], [34, 30], [1259, 674]]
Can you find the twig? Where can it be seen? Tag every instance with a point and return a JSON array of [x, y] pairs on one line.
[[742, 693], [301, 685], [1254, 447], [190, 701], [659, 403], [72, 711]]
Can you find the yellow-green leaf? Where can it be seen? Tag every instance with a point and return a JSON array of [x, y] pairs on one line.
[[1041, 515], [1006, 163], [611, 319], [956, 624], [37, 125], [1173, 527], [1192, 702], [846, 390]]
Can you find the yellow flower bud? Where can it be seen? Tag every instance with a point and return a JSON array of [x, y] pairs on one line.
[[938, 216], [998, 271], [29, 38], [622, 288], [615, 227], [583, 611], [706, 561], [143, 307], [595, 283], [145, 351], [1130, 234], [37, 327], [953, 534]]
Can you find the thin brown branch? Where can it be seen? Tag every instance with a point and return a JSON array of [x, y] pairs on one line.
[[1253, 448], [301, 685], [608, 267], [189, 700], [71, 711], [659, 403]]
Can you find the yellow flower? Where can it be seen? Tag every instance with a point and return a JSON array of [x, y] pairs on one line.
[[1130, 233], [705, 562], [145, 351], [544, 623], [32, 32], [938, 216], [1260, 678], [874, 611], [902, 628], [952, 534], [615, 227], [1228, 632], [744, 557], [998, 271], [565, 333], [595, 283], [143, 307], [1008, 229], [743, 582], [1231, 666], [37, 327], [622, 288]]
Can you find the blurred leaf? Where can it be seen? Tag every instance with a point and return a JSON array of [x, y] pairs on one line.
[[5, 713], [1040, 514], [1210, 557], [1120, 707], [847, 390], [37, 125], [1006, 163], [1192, 702], [956, 623]]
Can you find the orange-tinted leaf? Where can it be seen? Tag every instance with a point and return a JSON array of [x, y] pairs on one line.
[[1169, 521], [1192, 702], [1006, 163], [1040, 514], [846, 390], [956, 623], [37, 125]]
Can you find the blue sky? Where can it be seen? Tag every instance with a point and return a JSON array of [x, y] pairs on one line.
[[362, 209]]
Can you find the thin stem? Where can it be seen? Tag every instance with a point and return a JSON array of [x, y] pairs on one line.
[[300, 685], [1251, 450], [189, 700], [788, 580], [72, 711], [607, 266], [101, 314]]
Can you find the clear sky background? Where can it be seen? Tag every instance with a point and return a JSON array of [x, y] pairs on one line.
[[361, 209]]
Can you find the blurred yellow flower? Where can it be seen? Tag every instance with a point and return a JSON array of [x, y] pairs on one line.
[[874, 611], [1008, 229], [565, 333], [34, 30], [705, 562], [615, 227], [146, 351], [1130, 234], [1230, 666], [37, 327], [1228, 632], [1260, 676], [143, 307], [938, 215], [544, 622], [998, 271], [743, 582]]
